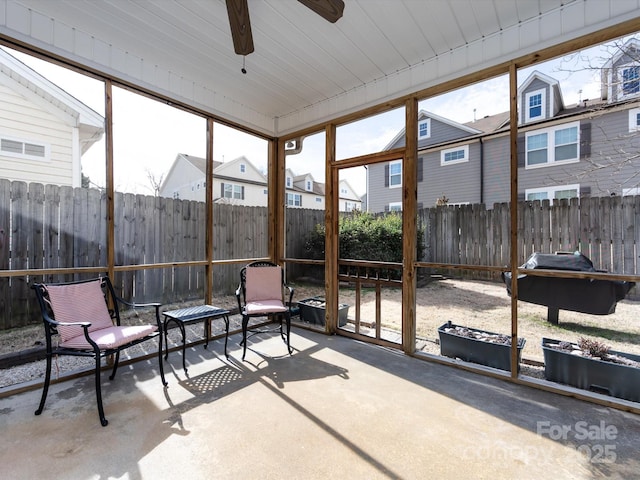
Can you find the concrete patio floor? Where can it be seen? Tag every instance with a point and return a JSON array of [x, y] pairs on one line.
[[336, 408]]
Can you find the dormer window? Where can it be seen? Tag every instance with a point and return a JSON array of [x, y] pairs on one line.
[[534, 105], [424, 128], [629, 81], [243, 168], [308, 185]]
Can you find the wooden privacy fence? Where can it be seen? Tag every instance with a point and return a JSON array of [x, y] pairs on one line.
[[63, 227], [606, 229]]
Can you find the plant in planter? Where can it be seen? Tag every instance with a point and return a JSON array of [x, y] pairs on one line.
[[313, 310], [592, 365], [477, 346]]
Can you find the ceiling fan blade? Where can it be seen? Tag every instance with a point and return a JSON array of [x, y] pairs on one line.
[[330, 10], [240, 24]]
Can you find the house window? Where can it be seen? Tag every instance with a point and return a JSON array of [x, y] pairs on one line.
[[553, 193], [534, 105], [343, 191], [631, 191], [350, 206], [232, 191], [424, 128], [288, 182], [634, 120], [395, 174], [22, 149], [395, 207], [294, 200], [454, 155], [318, 199], [552, 145], [630, 80], [308, 185], [243, 168]]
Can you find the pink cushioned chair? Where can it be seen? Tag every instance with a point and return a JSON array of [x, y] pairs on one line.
[[261, 294], [77, 315]]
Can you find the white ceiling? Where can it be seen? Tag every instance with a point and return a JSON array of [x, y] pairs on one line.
[[304, 70]]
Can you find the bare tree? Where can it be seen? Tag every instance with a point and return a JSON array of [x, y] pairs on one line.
[[155, 182]]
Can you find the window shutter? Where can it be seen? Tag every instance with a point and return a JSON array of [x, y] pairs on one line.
[[386, 175], [242, 192], [222, 190], [585, 140], [386, 208], [521, 151], [419, 206], [585, 191], [420, 168], [300, 200], [521, 197]]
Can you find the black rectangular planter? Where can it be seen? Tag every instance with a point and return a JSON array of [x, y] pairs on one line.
[[477, 351], [617, 380], [312, 310]]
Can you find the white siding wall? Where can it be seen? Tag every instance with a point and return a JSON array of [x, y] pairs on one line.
[[21, 120]]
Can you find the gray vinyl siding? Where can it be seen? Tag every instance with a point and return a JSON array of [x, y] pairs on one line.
[[440, 133], [614, 162], [606, 169], [380, 196], [497, 170], [607, 165], [459, 182], [557, 103]]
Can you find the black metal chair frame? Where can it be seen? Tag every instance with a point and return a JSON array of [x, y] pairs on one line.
[[241, 296], [50, 326]]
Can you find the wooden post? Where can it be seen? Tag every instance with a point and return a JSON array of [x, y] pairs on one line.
[[208, 270], [332, 230], [276, 200], [110, 187], [409, 228], [513, 137]]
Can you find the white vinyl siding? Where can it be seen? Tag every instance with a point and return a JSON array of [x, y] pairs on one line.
[[25, 123], [553, 145]]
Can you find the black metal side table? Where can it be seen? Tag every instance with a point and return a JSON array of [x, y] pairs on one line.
[[183, 316]]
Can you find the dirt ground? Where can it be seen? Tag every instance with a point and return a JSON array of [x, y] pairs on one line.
[[478, 304], [487, 306]]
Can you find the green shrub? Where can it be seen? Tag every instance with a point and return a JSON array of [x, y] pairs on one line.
[[364, 236]]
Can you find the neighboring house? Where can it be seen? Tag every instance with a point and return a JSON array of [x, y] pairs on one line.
[[563, 152], [44, 131], [347, 198], [239, 182], [302, 191]]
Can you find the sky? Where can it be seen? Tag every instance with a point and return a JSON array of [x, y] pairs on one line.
[[149, 134]]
